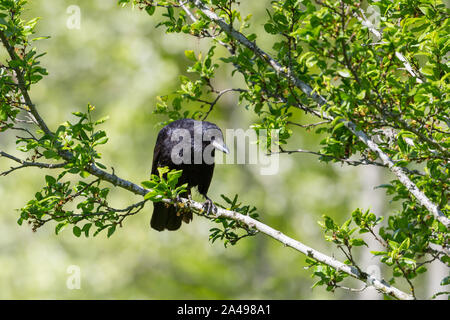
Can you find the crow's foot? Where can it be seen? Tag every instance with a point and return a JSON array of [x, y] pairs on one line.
[[209, 207], [179, 205]]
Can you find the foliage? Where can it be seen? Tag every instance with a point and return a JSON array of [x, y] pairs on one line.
[[229, 229], [164, 185]]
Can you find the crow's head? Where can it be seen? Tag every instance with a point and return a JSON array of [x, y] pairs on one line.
[[213, 135]]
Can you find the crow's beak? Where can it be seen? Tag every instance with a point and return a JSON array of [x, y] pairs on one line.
[[220, 146]]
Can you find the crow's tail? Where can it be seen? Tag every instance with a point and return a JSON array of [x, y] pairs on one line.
[[166, 217]]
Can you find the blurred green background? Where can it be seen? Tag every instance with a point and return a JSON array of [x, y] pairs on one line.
[[119, 62]]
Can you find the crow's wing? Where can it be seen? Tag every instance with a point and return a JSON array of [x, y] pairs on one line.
[[156, 156]]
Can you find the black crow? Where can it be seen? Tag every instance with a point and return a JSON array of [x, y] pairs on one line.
[[188, 145]]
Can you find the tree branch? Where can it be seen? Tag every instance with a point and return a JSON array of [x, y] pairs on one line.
[[22, 85], [370, 280], [214, 102], [28, 164], [380, 285], [379, 36]]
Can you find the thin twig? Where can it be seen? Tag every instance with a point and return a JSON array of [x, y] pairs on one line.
[[28, 164], [214, 102]]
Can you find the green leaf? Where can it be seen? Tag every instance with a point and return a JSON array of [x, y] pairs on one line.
[[394, 245], [150, 10], [172, 178], [60, 227], [50, 154], [190, 55], [361, 95], [84, 174], [101, 120], [445, 281], [162, 171], [153, 196], [149, 184], [358, 242], [76, 231], [50, 180], [329, 223], [409, 261], [379, 253], [86, 228], [345, 73], [270, 28], [405, 244], [100, 165], [111, 230]]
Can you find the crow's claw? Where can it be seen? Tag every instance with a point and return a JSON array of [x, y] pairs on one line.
[[209, 207], [177, 201], [178, 204]]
